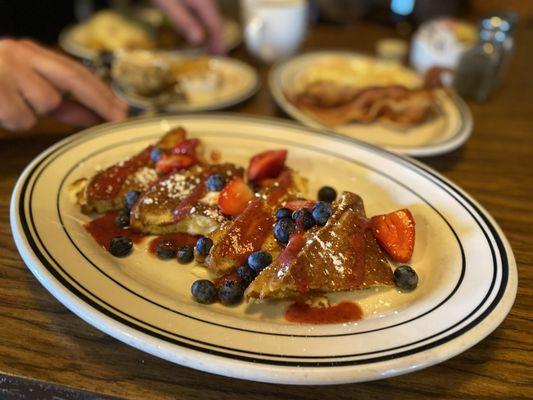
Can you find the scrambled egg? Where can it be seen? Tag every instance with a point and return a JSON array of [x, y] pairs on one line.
[[108, 30], [359, 73]]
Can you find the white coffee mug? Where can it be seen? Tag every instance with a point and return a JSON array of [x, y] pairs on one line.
[[274, 29]]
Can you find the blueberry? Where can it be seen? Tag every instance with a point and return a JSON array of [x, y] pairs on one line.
[[303, 218], [327, 194], [283, 230], [283, 213], [204, 291], [185, 254], [246, 274], [122, 219], [156, 154], [203, 246], [259, 260], [216, 183], [405, 277], [321, 213], [131, 198], [165, 250], [120, 246], [230, 292]]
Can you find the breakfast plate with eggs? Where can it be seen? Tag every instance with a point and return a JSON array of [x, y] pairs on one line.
[[379, 102], [173, 82], [141, 29]]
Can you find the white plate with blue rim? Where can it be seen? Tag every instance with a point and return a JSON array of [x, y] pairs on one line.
[[467, 273], [449, 129]]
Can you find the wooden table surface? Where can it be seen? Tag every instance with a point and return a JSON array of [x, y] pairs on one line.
[[40, 339]]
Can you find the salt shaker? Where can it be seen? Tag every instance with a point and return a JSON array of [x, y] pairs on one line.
[[480, 70]]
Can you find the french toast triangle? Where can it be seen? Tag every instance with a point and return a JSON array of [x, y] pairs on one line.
[[181, 202], [105, 190], [342, 255], [252, 229]]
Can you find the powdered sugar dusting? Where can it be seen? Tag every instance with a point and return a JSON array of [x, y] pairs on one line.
[[175, 186], [145, 176], [328, 254], [214, 214], [282, 271]]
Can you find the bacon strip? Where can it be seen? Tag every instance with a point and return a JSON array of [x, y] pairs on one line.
[[335, 105]]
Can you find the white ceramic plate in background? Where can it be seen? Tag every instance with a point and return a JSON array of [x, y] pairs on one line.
[[67, 41], [467, 272], [239, 82], [442, 134]]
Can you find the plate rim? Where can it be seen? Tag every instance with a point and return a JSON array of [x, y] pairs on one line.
[[454, 142], [223, 366]]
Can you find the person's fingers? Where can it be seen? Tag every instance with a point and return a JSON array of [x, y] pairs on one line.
[[182, 19], [208, 13], [15, 114], [73, 113], [40, 94], [72, 77]]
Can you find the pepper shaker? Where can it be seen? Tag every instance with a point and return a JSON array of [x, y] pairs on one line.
[[481, 68]]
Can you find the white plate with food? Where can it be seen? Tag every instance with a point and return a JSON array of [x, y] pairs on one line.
[[173, 82], [110, 31], [376, 101], [329, 299]]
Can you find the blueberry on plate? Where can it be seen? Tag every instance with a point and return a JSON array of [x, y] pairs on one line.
[[259, 260], [203, 246], [216, 182], [185, 254], [321, 213], [122, 220], [283, 230], [303, 219], [165, 250], [131, 198], [120, 246], [283, 213], [246, 274], [155, 154], [327, 194], [204, 291], [231, 292], [405, 277]]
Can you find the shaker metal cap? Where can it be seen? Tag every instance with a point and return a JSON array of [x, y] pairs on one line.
[[504, 21]]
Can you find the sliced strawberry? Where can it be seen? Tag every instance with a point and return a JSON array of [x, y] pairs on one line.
[[168, 163], [234, 198], [396, 233], [268, 164], [299, 204], [187, 146]]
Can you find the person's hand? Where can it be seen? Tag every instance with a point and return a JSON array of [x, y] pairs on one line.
[[198, 20], [34, 82]]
